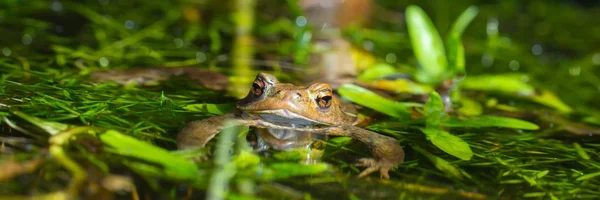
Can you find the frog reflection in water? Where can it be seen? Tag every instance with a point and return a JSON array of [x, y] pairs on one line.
[[313, 109]]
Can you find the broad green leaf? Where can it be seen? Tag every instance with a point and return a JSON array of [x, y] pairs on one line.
[[440, 163], [456, 54], [548, 98], [371, 100], [592, 120], [427, 46], [172, 166], [508, 83], [376, 72], [434, 110], [399, 86], [488, 121], [51, 128], [449, 143], [217, 109], [470, 107]]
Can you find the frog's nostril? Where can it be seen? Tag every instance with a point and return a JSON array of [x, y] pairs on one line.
[[298, 94]]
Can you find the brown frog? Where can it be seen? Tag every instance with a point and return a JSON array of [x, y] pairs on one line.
[[314, 109]]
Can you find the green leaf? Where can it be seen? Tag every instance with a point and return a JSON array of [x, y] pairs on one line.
[[592, 120], [51, 128], [171, 165], [376, 72], [434, 110], [440, 163], [581, 151], [508, 83], [456, 51], [588, 176], [427, 46], [399, 86], [470, 107], [449, 143], [371, 100], [548, 98], [488, 121], [217, 109]]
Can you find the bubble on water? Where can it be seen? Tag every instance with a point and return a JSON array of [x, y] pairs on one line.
[[56, 6], [26, 39], [59, 28], [492, 26], [200, 57], [537, 49], [514, 65], [222, 58], [390, 58], [524, 78], [301, 21], [487, 60], [368, 45], [178, 42], [596, 58], [129, 24], [575, 71], [6, 51], [103, 61]]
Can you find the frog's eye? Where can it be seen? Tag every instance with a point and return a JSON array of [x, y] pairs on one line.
[[258, 87], [324, 99]]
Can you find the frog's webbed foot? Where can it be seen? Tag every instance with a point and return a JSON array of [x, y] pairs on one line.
[[373, 166], [386, 151]]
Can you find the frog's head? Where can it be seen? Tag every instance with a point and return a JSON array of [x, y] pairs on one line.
[[285, 103]]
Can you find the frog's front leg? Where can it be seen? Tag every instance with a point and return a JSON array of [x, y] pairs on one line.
[[386, 151], [197, 133]]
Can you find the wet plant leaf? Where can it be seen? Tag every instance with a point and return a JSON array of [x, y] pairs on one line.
[[376, 72], [449, 143], [369, 99], [592, 120], [171, 165], [488, 121], [427, 46], [588, 176], [580, 151], [508, 83], [456, 50], [548, 98], [399, 86], [434, 110], [470, 107], [51, 128], [440, 163], [217, 109]]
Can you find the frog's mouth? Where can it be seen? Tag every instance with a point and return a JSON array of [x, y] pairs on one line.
[[282, 117]]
